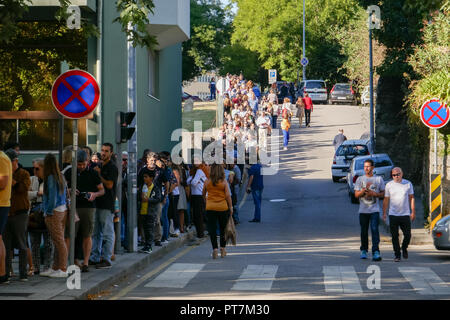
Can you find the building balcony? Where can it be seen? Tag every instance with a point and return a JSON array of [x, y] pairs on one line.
[[170, 22]]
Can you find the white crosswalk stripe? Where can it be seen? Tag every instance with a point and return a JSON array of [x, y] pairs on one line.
[[341, 279], [256, 278], [177, 275], [424, 280]]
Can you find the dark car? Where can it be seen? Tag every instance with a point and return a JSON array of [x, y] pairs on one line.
[[342, 93], [186, 96]]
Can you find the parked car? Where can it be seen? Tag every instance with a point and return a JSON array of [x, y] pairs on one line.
[[441, 234], [317, 90], [365, 96], [383, 167], [344, 155], [342, 93], [186, 96]]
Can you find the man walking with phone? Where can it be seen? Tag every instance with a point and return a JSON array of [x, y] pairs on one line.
[[399, 197], [368, 189]]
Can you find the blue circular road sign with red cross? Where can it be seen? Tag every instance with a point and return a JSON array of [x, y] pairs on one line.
[[434, 114], [75, 94]]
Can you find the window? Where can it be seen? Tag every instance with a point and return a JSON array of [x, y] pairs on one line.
[[315, 85], [153, 71]]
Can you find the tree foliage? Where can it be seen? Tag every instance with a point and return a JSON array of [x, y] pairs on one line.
[[273, 29], [210, 33]]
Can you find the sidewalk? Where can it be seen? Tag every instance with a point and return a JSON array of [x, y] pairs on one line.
[[93, 282]]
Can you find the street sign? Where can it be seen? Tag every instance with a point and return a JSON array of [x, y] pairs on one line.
[[374, 20], [434, 114], [272, 76], [75, 94], [435, 199], [304, 61]]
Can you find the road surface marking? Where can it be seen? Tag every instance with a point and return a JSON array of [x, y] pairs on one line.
[[177, 275], [424, 280], [256, 278], [138, 282], [341, 279]]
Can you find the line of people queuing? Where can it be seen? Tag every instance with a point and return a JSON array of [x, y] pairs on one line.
[[250, 116], [34, 212]]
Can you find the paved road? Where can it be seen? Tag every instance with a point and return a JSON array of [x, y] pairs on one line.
[[307, 247]]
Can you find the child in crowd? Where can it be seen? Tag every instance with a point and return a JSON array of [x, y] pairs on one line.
[[149, 208], [285, 126]]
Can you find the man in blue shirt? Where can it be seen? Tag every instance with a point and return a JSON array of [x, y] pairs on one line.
[[255, 186]]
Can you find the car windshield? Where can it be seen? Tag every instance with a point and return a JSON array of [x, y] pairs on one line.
[[315, 85], [378, 162], [352, 150], [342, 87]]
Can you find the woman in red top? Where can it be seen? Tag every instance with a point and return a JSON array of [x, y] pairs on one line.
[[308, 108]]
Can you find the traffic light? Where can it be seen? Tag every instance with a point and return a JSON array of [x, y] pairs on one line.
[[123, 131]]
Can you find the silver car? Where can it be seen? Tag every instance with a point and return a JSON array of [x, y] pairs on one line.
[[344, 155], [383, 167], [441, 234]]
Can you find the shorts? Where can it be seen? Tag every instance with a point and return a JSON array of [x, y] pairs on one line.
[[3, 219], [86, 223]]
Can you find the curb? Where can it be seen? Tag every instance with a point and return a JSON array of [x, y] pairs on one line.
[[127, 264]]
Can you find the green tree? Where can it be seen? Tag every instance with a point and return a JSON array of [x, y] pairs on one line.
[[210, 33]]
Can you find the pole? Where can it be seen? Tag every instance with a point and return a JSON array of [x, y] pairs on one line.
[[304, 50], [372, 143], [117, 246], [73, 197], [132, 150], [435, 152]]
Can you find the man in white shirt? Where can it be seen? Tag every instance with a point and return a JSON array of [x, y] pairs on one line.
[[263, 123], [399, 197]]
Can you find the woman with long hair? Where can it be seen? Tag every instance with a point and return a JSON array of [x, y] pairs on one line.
[[219, 207], [55, 212]]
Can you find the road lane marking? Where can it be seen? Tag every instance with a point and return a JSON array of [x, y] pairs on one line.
[[256, 278], [177, 275], [341, 279], [424, 280], [138, 282]]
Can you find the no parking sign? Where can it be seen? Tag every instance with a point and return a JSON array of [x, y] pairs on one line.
[[75, 94], [434, 114]]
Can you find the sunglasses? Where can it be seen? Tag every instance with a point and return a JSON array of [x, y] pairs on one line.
[[37, 169], [397, 175]]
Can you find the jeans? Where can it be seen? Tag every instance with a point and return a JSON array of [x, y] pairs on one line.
[[285, 138], [197, 204], [274, 121], [165, 220], [148, 224], [372, 219], [307, 116], [103, 237], [257, 198], [404, 222]]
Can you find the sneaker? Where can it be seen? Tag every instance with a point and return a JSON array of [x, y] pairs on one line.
[[363, 254], [158, 243], [397, 259], [84, 268], [47, 272], [103, 265], [23, 279], [58, 274], [145, 250], [93, 263], [405, 254], [164, 242], [376, 256], [284, 148]]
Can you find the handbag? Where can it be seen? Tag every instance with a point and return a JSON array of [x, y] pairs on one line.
[[36, 219], [230, 232]]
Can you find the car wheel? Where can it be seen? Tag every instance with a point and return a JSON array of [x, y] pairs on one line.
[[353, 199], [336, 179]]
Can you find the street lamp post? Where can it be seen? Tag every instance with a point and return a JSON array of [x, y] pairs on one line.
[[373, 23], [304, 54]]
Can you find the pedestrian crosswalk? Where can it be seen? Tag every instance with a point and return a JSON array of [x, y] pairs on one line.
[[336, 279]]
